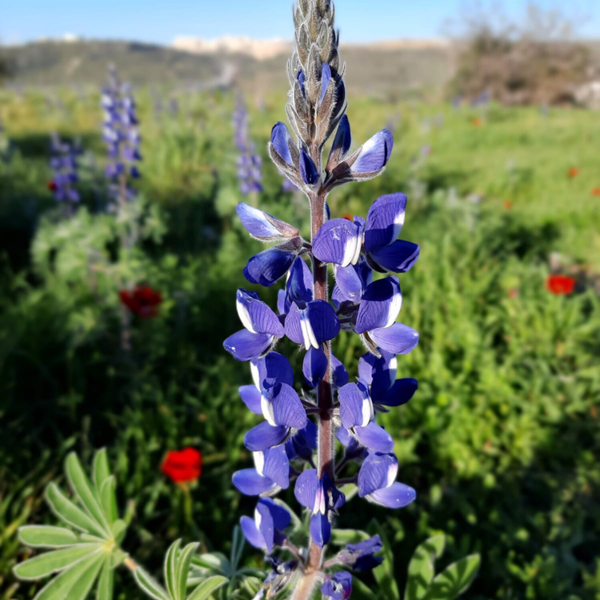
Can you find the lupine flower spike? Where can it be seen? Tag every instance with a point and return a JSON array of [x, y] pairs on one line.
[[63, 163], [294, 445], [249, 162]]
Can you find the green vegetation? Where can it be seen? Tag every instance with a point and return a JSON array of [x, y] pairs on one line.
[[501, 441]]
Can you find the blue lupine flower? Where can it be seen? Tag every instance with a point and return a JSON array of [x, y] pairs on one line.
[[267, 267], [377, 482], [338, 587], [323, 499], [63, 163], [358, 417], [303, 443], [266, 529], [277, 578], [312, 325], [374, 154], [262, 328], [361, 556], [271, 472], [339, 241]]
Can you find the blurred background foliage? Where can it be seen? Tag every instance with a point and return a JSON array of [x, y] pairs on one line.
[[501, 441]]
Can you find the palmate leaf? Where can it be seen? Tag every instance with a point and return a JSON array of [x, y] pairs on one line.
[[421, 569], [81, 557], [149, 585], [455, 579]]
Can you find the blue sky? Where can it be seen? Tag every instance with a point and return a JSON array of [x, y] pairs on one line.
[[161, 20]]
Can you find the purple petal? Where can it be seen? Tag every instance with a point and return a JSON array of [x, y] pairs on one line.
[[400, 393], [251, 398], [293, 329], [264, 226], [398, 257], [269, 266], [283, 303], [375, 153], [320, 319], [253, 535], [256, 316], [308, 169], [339, 241], [342, 141], [385, 220], [320, 529], [245, 345], [379, 373], [397, 339], [281, 517], [375, 437], [397, 495], [299, 285], [277, 466], [377, 472], [266, 524], [301, 80], [325, 79], [380, 305], [307, 488], [264, 436], [340, 374], [314, 366], [281, 139], [272, 366], [250, 483], [356, 408], [353, 280], [282, 407]]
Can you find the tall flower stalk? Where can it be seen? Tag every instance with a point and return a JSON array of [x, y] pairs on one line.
[[63, 163], [289, 444], [249, 163]]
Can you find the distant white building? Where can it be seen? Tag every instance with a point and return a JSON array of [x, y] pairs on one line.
[[259, 49]]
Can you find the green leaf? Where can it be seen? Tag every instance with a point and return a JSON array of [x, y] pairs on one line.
[[108, 499], [214, 561], [149, 585], [118, 528], [341, 537], [53, 562], [42, 536], [171, 569], [73, 582], [82, 488], [183, 569], [106, 583], [237, 547], [421, 568], [100, 469], [455, 579], [207, 587], [64, 509], [384, 573]]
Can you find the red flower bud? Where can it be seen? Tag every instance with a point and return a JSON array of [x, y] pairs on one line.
[[143, 301], [183, 466]]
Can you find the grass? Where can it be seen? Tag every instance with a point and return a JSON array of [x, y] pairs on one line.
[[500, 441]]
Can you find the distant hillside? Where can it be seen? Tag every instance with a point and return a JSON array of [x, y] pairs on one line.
[[378, 69]]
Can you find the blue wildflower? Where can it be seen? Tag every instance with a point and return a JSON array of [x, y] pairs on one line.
[[338, 587]]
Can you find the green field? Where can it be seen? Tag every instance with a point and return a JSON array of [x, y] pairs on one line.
[[502, 439]]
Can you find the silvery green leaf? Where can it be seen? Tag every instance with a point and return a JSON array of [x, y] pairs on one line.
[[100, 469], [207, 587], [170, 569], [214, 561], [106, 583], [75, 582], [421, 567], [71, 514], [341, 537], [118, 528], [43, 536], [237, 547], [54, 562], [183, 568], [82, 488], [149, 585], [455, 579], [108, 499]]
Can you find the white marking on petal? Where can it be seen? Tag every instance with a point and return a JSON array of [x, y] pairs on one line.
[[368, 411], [307, 331], [394, 310], [320, 505], [393, 363], [267, 410], [392, 473], [255, 376], [244, 315], [257, 517], [398, 224], [259, 462]]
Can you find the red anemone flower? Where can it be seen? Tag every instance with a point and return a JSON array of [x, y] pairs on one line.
[[561, 284], [183, 466], [573, 172], [596, 191], [507, 204], [143, 301], [51, 185]]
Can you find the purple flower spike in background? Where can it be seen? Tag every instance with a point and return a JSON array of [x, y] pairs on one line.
[[249, 163], [63, 163]]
